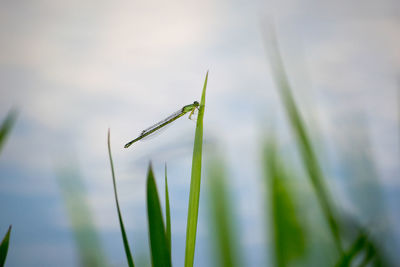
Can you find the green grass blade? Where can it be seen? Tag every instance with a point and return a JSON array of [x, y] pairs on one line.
[[355, 249], [195, 181], [4, 247], [308, 155], [221, 216], [167, 211], [6, 126], [369, 250], [160, 250], [121, 223], [288, 231], [372, 257]]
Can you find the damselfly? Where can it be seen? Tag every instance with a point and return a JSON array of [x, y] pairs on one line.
[[152, 129]]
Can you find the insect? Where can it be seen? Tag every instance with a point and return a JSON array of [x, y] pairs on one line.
[[154, 128]]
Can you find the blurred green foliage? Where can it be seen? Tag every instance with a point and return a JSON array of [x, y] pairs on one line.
[[6, 126], [87, 239], [5, 129], [221, 219], [287, 229]]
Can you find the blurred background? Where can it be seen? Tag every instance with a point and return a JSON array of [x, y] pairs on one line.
[[74, 69]]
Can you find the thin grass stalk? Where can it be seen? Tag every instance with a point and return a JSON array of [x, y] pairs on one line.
[[128, 253]]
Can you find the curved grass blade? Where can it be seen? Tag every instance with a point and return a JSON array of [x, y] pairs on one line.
[[4, 247], [167, 211], [121, 223], [6, 126], [194, 195], [304, 143], [160, 250]]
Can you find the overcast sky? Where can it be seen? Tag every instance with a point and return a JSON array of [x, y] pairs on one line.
[[75, 68]]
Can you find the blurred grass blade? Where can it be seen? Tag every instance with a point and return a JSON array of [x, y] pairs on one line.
[[195, 182], [6, 126], [303, 140], [160, 250], [354, 250], [372, 256], [367, 248], [121, 223], [167, 211], [288, 231], [85, 233], [4, 247], [221, 215]]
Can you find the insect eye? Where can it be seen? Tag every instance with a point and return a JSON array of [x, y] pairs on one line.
[[195, 103]]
